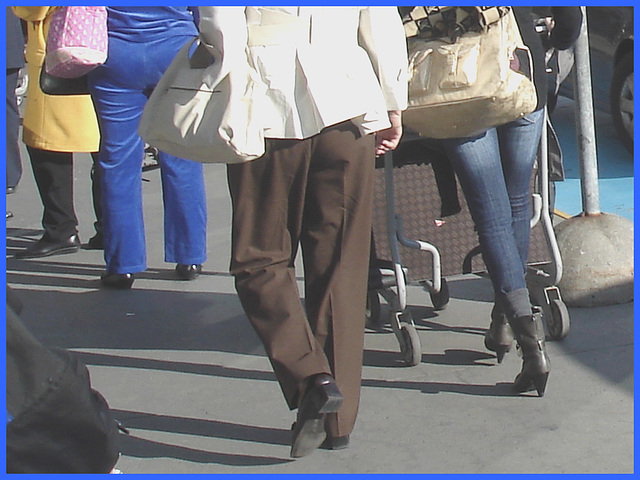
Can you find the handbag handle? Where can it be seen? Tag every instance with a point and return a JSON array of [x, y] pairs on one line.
[[201, 57]]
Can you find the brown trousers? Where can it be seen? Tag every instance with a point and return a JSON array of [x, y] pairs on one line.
[[316, 193]]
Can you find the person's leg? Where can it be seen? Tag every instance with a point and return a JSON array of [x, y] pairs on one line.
[[96, 242], [185, 210], [267, 197], [53, 173], [14, 163], [484, 185], [335, 240], [519, 141], [117, 90], [478, 166], [184, 196]]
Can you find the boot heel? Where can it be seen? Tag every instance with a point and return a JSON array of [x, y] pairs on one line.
[[329, 398], [540, 382], [499, 336], [501, 352], [526, 383], [529, 334]]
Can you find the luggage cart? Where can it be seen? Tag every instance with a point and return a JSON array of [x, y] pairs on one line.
[[388, 278], [542, 284], [418, 201]]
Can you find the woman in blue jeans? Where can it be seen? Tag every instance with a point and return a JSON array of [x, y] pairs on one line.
[[142, 43], [494, 170]]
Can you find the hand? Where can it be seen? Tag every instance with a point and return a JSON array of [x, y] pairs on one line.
[[550, 23], [388, 139]]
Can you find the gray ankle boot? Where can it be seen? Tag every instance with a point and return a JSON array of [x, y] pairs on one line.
[[499, 337], [529, 333]]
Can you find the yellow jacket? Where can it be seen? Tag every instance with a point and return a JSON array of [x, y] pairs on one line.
[[56, 123]]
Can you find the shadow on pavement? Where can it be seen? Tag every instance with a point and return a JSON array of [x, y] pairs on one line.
[[133, 446]]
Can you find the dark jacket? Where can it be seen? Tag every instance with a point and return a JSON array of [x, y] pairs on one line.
[[564, 34], [57, 423], [15, 41]]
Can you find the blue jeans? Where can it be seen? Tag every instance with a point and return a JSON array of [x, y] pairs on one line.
[[120, 89], [494, 170]]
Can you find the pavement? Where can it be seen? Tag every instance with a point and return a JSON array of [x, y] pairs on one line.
[[182, 368]]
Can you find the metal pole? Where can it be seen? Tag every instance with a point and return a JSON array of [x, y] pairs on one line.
[[585, 122]]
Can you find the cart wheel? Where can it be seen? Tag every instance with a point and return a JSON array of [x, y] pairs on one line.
[[410, 345], [372, 313], [558, 323], [440, 300]]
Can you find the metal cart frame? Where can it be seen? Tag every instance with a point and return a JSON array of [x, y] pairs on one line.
[[392, 284]]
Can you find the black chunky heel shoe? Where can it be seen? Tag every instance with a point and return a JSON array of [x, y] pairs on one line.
[[499, 337], [529, 334], [321, 397], [188, 272], [121, 281]]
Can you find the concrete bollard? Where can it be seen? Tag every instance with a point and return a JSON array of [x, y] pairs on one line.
[[597, 258]]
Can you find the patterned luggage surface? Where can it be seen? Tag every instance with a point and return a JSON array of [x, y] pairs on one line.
[[418, 201]]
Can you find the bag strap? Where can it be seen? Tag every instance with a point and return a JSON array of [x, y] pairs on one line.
[[201, 57]]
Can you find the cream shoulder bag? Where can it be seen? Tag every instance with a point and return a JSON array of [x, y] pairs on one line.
[[474, 75], [198, 113]]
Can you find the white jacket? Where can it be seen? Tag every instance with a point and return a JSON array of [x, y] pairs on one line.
[[320, 65]]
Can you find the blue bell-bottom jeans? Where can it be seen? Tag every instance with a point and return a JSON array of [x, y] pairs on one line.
[[120, 89], [494, 170]]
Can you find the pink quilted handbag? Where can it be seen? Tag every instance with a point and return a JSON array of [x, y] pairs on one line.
[[77, 41]]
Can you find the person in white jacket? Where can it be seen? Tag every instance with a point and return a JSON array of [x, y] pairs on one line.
[[336, 84]]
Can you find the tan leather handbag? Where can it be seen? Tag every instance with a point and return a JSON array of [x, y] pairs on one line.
[[464, 83]]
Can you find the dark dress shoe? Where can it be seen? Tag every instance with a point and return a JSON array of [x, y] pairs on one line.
[[122, 281], [188, 272], [45, 247], [95, 243], [335, 443], [321, 396]]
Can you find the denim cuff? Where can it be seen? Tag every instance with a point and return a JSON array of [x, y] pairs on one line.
[[516, 303]]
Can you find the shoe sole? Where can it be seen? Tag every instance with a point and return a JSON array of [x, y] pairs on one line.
[[311, 433], [329, 444], [309, 437], [92, 247]]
